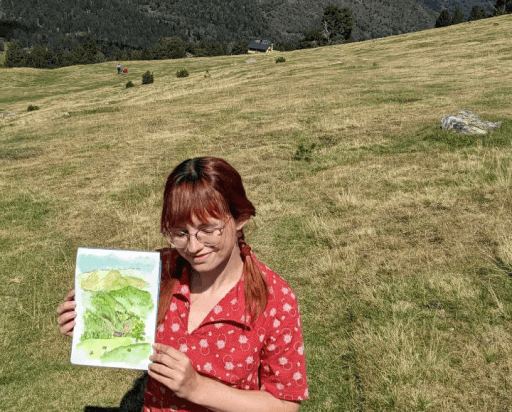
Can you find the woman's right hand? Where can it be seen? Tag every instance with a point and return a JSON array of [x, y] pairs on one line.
[[67, 314]]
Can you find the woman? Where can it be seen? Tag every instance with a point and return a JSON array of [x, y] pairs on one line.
[[229, 334]]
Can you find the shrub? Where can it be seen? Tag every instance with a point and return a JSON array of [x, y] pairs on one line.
[[182, 73], [31, 108], [148, 78], [280, 59], [130, 84], [304, 153]]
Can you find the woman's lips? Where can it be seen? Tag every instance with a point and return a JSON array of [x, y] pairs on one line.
[[199, 258]]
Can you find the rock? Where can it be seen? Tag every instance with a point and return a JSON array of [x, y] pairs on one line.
[[467, 123], [66, 114]]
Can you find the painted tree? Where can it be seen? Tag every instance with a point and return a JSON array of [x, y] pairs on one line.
[[138, 331], [337, 23]]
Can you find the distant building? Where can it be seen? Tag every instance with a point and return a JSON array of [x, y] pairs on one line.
[[260, 46]]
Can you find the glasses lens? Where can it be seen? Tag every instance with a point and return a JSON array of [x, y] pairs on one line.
[[179, 239], [208, 238]]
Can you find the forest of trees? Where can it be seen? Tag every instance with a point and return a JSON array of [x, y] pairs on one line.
[[56, 33], [476, 13]]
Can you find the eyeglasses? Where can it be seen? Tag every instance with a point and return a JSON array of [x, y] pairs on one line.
[[207, 237]]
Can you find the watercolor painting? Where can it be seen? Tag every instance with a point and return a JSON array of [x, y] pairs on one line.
[[116, 294]]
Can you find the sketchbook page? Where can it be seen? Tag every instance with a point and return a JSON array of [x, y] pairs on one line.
[[116, 294]]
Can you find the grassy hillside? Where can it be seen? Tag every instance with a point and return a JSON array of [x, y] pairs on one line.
[[395, 235]]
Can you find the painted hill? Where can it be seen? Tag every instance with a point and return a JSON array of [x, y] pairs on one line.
[[108, 280]]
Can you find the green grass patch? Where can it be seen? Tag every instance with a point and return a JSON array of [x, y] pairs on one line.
[[134, 195], [19, 153], [27, 211], [98, 110]]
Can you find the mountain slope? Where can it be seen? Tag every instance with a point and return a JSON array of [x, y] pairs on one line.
[[377, 18], [137, 24], [450, 5]]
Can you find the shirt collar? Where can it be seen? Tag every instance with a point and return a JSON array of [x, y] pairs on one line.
[[231, 307]]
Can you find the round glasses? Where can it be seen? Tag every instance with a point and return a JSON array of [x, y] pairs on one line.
[[207, 237]]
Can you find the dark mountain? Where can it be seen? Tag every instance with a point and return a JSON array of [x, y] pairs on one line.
[[46, 22], [464, 5], [377, 18], [137, 24]]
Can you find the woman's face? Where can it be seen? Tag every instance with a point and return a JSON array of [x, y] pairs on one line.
[[210, 258]]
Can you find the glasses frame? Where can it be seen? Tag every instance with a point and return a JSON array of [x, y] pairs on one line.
[[189, 235]]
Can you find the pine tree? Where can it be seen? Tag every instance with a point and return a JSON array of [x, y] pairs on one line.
[[40, 58], [338, 23], [444, 19], [239, 48], [502, 7], [477, 13], [458, 17], [15, 56]]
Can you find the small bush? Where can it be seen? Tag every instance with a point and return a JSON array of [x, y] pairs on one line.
[[207, 75], [182, 73], [130, 84], [31, 108], [304, 153], [148, 78], [280, 59]]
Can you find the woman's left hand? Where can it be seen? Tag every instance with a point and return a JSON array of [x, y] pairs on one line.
[[173, 369]]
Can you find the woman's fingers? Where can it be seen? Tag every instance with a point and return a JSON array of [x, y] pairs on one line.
[[66, 307], [70, 295], [67, 314], [66, 317], [67, 329], [173, 353]]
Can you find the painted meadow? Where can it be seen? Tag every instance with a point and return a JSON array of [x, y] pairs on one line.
[[395, 235]]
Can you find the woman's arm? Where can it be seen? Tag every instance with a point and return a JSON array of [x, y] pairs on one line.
[[173, 369], [218, 397]]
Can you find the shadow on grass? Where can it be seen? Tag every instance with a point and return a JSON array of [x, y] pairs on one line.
[[132, 401]]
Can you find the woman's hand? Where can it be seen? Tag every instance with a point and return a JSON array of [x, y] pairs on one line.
[[173, 369], [67, 314]]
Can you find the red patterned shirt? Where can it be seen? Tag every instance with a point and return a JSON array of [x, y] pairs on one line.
[[267, 356]]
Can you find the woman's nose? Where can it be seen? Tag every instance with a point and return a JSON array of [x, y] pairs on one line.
[[194, 245]]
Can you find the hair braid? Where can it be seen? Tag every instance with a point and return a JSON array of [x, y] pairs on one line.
[[255, 284]]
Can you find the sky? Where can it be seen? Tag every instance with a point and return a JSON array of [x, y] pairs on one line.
[[90, 259]]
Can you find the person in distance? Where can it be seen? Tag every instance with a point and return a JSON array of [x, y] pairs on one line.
[[229, 331]]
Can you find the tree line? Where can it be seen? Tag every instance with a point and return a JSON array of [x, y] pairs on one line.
[[88, 51], [477, 12], [336, 27]]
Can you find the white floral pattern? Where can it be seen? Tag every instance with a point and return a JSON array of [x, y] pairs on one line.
[[273, 342]]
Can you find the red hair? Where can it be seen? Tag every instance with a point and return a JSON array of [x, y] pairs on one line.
[[207, 187]]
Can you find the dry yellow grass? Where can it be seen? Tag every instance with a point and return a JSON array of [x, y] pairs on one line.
[[394, 235]]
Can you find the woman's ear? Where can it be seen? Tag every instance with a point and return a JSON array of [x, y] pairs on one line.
[[241, 221]]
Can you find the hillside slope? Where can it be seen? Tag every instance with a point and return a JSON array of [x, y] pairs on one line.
[[394, 235]]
